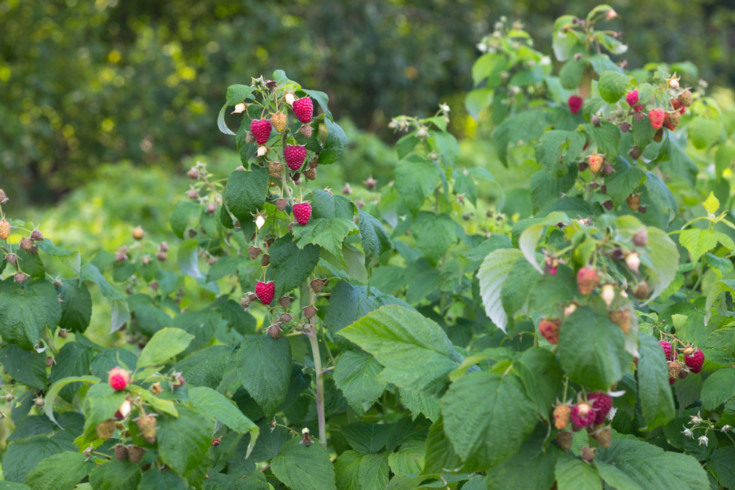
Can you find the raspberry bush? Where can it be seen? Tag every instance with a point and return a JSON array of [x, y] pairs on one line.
[[579, 333]]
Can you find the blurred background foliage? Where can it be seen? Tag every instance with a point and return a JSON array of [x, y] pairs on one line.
[[92, 81]]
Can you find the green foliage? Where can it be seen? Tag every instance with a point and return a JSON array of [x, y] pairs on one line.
[[375, 365]]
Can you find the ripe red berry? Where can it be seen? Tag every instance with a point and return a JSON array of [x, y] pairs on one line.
[[587, 280], [265, 291], [118, 378], [668, 351], [549, 329], [601, 403], [303, 109], [671, 121], [261, 129], [294, 156], [632, 98], [695, 361], [656, 116], [583, 414], [302, 212], [575, 103]]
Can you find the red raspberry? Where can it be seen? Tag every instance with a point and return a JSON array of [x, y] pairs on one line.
[[261, 129], [575, 103], [265, 292], [668, 351], [302, 212], [549, 329], [695, 361], [601, 403], [587, 280], [671, 121], [118, 378], [294, 156], [303, 109], [656, 116], [632, 98], [583, 414]]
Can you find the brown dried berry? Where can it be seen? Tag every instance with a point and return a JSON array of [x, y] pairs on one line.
[[121, 452], [11, 258], [309, 311], [135, 454], [564, 440], [275, 169], [317, 285], [634, 153], [285, 301], [63, 333], [254, 252], [265, 260], [640, 239], [161, 256], [281, 203], [310, 174], [274, 330], [370, 183], [36, 235]]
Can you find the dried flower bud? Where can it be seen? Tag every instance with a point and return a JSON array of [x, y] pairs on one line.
[[36, 235]]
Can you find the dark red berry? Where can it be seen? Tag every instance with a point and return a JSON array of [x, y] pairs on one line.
[[303, 109], [695, 361], [261, 129]]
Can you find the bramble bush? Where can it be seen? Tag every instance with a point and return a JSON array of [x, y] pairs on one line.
[[403, 340]]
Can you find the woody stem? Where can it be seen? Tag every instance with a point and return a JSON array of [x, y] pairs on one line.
[[314, 341]]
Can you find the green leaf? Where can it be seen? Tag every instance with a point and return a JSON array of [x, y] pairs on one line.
[[188, 259], [489, 66], [406, 144], [73, 359], [115, 475], [420, 403], [205, 367], [328, 233], [22, 457], [718, 388], [361, 471], [239, 93], [409, 460], [487, 416], [221, 124], [525, 126], [53, 392], [347, 303], [355, 375], [654, 390], [366, 437], [416, 178], [448, 147], [606, 137], [164, 345], [326, 205], [76, 305], [720, 465], [612, 86], [477, 101], [25, 367], [661, 195], [290, 265], [434, 234], [624, 181], [637, 464], [375, 239], [59, 472], [264, 369], [704, 132], [398, 337], [304, 468], [553, 144], [245, 193], [532, 468], [574, 474], [571, 73], [184, 216], [208, 401], [664, 260], [100, 404], [541, 376], [334, 145], [439, 452], [492, 274], [592, 349], [183, 441], [698, 241], [546, 189], [26, 310]]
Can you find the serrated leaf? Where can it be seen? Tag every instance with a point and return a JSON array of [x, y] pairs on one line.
[[492, 274], [238, 93], [245, 193], [487, 416], [524, 126], [211, 402], [27, 309], [698, 241], [165, 344], [397, 337], [76, 305], [374, 237], [184, 216], [606, 137], [623, 182], [552, 144], [654, 391], [328, 233], [355, 375], [416, 178], [541, 375], [326, 205], [304, 468], [25, 367], [704, 132], [661, 195], [592, 349], [53, 392], [434, 234], [290, 265], [264, 369], [59, 472], [718, 388], [612, 86], [188, 259], [334, 145], [637, 464], [183, 441], [711, 204], [664, 260], [574, 474]]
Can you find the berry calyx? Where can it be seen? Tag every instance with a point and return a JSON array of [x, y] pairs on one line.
[[265, 291], [549, 329], [575, 103], [656, 117], [261, 130], [587, 280], [118, 378], [294, 156], [302, 212], [582, 414], [695, 361], [303, 109], [601, 404], [632, 98]]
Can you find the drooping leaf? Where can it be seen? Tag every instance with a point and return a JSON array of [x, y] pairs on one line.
[[492, 274]]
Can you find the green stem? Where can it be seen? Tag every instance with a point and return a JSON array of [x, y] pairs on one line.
[[314, 341]]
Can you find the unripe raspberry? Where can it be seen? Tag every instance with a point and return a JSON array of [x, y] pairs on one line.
[[347, 190], [193, 173], [685, 98], [4, 230], [279, 120], [161, 256], [274, 331], [147, 426], [315, 164], [608, 294], [156, 388], [285, 301], [11, 258], [594, 162], [290, 98], [36, 235], [621, 318], [310, 173], [640, 239], [562, 415], [179, 381], [317, 285], [603, 437], [262, 150], [281, 203], [633, 261], [549, 329], [63, 333], [135, 454], [19, 277], [138, 233], [27, 245], [105, 429], [569, 309], [120, 451], [370, 183], [211, 208], [309, 312], [587, 280], [656, 117], [275, 169], [633, 201], [642, 290], [675, 368], [565, 440], [192, 194], [39, 402], [118, 378], [307, 131]]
